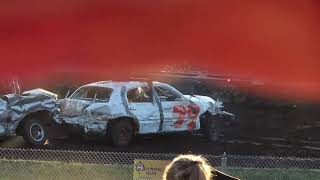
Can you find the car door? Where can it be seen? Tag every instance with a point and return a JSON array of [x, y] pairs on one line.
[[78, 101], [86, 108], [143, 107], [175, 108], [84, 97]]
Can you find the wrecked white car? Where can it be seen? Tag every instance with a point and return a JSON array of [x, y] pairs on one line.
[[124, 109], [27, 114]]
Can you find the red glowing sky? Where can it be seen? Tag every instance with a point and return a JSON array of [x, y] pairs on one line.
[[277, 41]]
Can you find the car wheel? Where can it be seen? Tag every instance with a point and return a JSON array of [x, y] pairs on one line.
[[35, 132], [122, 133]]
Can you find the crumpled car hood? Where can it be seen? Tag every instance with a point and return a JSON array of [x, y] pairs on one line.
[[39, 92], [206, 103], [29, 97]]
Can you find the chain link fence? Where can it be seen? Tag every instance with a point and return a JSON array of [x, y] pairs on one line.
[[62, 164]]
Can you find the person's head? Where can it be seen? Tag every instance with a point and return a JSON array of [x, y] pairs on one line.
[[188, 167]]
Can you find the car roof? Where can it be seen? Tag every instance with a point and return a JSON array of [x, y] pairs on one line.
[[128, 84]]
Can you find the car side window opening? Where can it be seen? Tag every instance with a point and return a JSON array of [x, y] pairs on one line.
[[139, 94], [166, 94], [93, 93]]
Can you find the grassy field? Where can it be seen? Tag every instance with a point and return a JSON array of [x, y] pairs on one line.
[[273, 174], [26, 170], [16, 169]]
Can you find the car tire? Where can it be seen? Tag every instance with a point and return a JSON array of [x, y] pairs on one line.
[[35, 132], [213, 130], [122, 133]]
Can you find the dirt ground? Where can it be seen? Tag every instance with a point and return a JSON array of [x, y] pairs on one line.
[[183, 143], [194, 143]]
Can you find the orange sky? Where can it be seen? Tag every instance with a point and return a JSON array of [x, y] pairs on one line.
[[273, 40]]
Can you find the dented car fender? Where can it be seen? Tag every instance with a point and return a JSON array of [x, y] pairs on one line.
[[14, 108]]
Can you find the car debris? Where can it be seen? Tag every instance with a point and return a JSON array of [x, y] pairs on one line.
[[124, 109], [27, 114]]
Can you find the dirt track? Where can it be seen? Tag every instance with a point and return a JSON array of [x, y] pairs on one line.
[[183, 143], [195, 143]]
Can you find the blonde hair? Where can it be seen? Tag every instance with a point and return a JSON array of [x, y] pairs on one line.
[[188, 167]]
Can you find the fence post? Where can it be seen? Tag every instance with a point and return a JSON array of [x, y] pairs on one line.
[[224, 160]]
